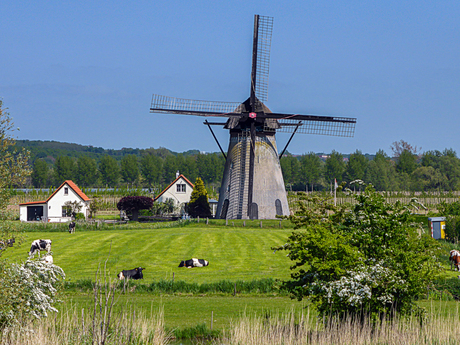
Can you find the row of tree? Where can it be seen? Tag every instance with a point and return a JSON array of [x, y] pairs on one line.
[[407, 170], [147, 171]]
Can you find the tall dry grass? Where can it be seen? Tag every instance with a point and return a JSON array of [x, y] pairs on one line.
[[77, 328], [290, 329]]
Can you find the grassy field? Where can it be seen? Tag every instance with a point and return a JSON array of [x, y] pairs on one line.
[[233, 253]]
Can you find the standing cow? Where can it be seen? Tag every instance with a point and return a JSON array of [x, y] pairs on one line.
[[135, 273], [193, 263], [454, 259], [39, 245]]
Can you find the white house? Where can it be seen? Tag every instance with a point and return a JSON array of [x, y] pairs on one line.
[[180, 190], [54, 209]]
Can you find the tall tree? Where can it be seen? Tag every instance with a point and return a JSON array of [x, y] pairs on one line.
[[407, 162], [311, 168], [169, 169], [335, 167], [87, 173], [14, 167], [290, 166], [64, 169], [398, 147], [356, 166], [109, 170], [129, 168], [151, 168], [39, 173], [199, 204], [381, 172]]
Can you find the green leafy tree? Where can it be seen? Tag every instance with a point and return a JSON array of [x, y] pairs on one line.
[[356, 166], [28, 289], [86, 171], [39, 173], [151, 169], [133, 204], [64, 169], [311, 168], [381, 172], [335, 167], [407, 162], [109, 171], [199, 204], [371, 260], [290, 166], [129, 168], [169, 169]]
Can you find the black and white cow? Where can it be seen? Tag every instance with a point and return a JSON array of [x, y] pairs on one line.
[[39, 245], [193, 263], [71, 227], [135, 273]]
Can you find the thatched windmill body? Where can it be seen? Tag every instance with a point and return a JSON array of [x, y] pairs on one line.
[[252, 185]]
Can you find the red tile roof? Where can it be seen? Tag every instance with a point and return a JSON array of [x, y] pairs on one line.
[[190, 183], [70, 184]]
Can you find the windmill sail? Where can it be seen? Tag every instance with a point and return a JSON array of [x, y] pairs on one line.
[[252, 184]]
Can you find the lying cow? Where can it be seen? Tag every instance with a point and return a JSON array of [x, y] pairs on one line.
[[454, 259], [71, 227], [135, 273], [39, 245], [193, 263]]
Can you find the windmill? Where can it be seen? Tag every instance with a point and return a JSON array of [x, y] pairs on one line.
[[252, 184]]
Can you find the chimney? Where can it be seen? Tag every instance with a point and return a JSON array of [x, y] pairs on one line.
[[177, 174]]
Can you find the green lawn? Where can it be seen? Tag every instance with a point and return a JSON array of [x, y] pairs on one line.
[[181, 311], [233, 253]]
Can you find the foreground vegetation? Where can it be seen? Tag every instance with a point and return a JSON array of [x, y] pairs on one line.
[[272, 327]]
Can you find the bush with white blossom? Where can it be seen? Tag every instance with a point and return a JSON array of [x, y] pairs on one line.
[[28, 291], [370, 259]]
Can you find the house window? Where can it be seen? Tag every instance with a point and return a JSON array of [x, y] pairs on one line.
[[66, 211], [181, 188], [66, 191]]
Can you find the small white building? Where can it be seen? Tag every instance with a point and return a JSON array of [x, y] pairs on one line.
[[180, 190], [54, 209]]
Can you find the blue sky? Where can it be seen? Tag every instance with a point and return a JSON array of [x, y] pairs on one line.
[[84, 71]]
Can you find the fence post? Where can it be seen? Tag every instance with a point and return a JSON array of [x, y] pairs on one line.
[[207, 221], [261, 224]]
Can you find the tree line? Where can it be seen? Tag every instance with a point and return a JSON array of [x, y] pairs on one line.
[[149, 170], [406, 170]]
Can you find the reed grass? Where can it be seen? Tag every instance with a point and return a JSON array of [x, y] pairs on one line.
[[76, 327], [296, 329]]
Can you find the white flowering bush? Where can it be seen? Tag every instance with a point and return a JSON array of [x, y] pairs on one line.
[[28, 291], [369, 259]]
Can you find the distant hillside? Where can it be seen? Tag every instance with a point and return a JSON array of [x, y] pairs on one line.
[[50, 150]]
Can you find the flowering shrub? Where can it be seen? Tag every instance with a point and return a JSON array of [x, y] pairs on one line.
[[370, 259], [27, 291]]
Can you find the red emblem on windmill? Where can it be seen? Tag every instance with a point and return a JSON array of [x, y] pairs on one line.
[[252, 115]]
